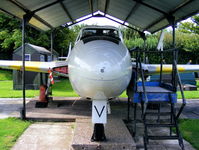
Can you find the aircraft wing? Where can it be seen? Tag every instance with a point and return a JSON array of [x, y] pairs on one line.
[[167, 68], [58, 67]]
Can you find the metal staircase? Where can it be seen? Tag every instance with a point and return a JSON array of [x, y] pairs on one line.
[[158, 93]]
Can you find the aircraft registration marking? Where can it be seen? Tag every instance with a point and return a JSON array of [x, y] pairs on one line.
[[99, 111], [99, 114]]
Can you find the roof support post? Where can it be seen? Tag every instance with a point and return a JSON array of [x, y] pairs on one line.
[[171, 20], [143, 36], [26, 19], [174, 55], [91, 6], [51, 44], [106, 6]]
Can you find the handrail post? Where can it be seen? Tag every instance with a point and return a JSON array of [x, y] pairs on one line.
[[161, 67], [143, 85]]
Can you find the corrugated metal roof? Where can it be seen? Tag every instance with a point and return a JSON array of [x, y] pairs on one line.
[[146, 15]]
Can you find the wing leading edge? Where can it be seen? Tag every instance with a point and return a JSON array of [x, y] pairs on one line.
[[167, 68], [34, 66]]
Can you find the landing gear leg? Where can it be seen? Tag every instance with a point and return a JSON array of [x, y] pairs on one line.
[[98, 133]]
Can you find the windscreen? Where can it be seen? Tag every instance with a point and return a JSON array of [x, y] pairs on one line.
[[100, 32]]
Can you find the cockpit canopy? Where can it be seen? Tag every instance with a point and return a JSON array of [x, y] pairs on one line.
[[88, 34], [99, 32]]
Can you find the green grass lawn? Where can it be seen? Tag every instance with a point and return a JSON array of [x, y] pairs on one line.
[[60, 89], [6, 91], [190, 131], [5, 75], [10, 130], [64, 89], [191, 94]]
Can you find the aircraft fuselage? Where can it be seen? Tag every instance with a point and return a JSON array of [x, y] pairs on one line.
[[99, 68]]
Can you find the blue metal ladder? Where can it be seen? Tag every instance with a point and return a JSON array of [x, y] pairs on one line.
[[146, 93]]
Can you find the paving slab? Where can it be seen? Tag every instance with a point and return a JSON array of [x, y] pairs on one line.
[[60, 109], [46, 136], [71, 109], [117, 134], [191, 110], [155, 144]]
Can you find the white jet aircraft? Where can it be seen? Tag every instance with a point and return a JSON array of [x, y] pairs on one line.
[[99, 67]]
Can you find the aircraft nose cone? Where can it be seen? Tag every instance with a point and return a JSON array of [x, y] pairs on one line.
[[99, 69], [104, 62]]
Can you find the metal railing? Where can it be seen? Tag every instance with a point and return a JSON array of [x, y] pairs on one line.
[[175, 80]]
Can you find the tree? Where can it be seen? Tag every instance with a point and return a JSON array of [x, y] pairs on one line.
[[128, 33], [190, 26], [63, 37], [10, 37]]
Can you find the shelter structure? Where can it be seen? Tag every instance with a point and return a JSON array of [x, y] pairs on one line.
[[143, 15], [33, 79], [139, 15]]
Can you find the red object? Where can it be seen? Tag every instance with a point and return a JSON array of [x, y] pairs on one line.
[[51, 77], [42, 96], [62, 69]]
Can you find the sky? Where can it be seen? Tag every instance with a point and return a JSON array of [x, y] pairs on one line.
[[100, 21]]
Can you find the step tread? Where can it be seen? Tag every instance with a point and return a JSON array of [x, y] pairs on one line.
[[162, 137], [160, 125]]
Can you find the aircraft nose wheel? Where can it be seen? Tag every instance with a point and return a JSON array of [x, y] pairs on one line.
[[98, 134]]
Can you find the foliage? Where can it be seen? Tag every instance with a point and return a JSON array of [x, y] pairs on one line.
[[10, 37], [186, 41], [10, 34], [188, 44], [190, 131], [190, 26], [62, 38], [10, 130], [36, 37], [128, 33]]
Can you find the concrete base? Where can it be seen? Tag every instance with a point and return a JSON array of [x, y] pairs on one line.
[[118, 136]]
